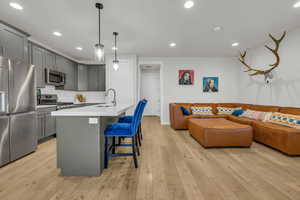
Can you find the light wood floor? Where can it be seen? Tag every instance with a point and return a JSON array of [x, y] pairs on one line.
[[172, 166]]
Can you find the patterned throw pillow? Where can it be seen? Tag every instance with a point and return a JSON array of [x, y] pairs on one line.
[[226, 111], [202, 110], [292, 121], [256, 115]]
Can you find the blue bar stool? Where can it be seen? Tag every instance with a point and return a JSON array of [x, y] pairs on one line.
[[128, 119], [126, 130]]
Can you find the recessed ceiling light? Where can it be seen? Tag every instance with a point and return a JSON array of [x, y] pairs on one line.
[[188, 4], [172, 44], [57, 33], [297, 5], [16, 6], [235, 44], [217, 28], [79, 48], [114, 48]]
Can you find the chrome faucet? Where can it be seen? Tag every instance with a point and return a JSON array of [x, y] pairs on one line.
[[115, 95]]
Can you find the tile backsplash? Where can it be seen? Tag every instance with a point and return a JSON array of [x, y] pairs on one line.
[[69, 96]]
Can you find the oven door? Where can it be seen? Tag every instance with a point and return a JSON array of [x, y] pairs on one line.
[[55, 78]]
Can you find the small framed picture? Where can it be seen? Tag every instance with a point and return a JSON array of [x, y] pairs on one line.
[[210, 84], [186, 77]]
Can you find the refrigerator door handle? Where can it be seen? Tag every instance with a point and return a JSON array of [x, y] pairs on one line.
[[3, 101]]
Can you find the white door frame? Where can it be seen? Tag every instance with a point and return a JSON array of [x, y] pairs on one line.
[[161, 82]]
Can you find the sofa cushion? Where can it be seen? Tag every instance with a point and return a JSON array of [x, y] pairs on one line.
[[213, 116], [292, 111], [283, 138], [276, 128], [264, 108], [205, 116], [240, 120], [292, 121]]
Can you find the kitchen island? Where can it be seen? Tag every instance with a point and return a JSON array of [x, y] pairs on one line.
[[80, 137]]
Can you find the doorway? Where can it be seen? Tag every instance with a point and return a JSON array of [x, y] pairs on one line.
[[150, 88]]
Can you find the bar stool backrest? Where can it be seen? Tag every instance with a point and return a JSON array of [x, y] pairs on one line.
[[137, 116]]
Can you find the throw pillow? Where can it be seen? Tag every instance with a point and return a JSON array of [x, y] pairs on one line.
[[292, 121], [226, 111], [185, 111], [202, 110], [256, 115], [248, 114], [238, 112]]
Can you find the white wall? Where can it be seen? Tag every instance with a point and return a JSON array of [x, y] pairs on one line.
[[227, 69], [285, 88], [124, 80]]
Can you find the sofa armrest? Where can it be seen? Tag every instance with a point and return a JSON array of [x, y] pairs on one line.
[[177, 119]]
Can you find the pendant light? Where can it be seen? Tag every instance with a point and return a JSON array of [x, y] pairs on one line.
[[99, 48], [115, 61]]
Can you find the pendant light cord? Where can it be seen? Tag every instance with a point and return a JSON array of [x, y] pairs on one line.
[[99, 6], [99, 26], [115, 46]]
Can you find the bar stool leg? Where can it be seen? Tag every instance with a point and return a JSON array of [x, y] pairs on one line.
[[114, 145], [134, 152], [139, 138], [137, 145], [140, 130], [106, 153]]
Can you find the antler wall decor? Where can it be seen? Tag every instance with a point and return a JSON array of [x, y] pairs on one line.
[[267, 73]]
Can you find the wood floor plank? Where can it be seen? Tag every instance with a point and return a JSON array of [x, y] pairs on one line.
[[172, 166]]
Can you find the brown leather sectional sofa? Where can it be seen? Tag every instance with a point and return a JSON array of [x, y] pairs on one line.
[[276, 136]]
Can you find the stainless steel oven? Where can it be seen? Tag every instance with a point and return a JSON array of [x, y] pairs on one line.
[[54, 77]]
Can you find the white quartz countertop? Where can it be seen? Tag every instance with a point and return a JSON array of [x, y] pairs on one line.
[[94, 111]]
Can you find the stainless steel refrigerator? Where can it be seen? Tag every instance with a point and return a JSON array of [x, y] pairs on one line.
[[18, 120]]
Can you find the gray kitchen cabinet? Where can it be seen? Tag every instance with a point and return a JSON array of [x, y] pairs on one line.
[[96, 78], [39, 63], [82, 77], [13, 44], [50, 125], [41, 126], [101, 80], [93, 77], [46, 122], [50, 60], [69, 68]]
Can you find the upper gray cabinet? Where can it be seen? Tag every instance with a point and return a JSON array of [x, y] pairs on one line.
[[96, 78], [101, 79], [13, 44], [38, 60], [50, 60], [82, 83], [70, 69]]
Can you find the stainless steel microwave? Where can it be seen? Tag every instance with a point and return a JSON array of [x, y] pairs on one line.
[[54, 77]]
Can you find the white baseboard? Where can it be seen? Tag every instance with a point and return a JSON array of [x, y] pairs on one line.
[[164, 123]]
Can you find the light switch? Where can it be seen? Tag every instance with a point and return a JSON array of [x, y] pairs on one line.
[[93, 120]]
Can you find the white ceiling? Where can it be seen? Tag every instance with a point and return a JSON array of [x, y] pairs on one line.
[[146, 27]]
